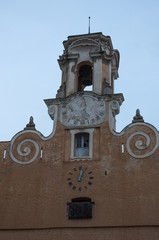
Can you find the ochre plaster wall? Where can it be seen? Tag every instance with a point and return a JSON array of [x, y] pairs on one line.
[[124, 189]]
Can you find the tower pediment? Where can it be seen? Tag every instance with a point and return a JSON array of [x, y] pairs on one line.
[[83, 42]]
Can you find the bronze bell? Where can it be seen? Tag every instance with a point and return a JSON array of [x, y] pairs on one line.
[[87, 81], [85, 75]]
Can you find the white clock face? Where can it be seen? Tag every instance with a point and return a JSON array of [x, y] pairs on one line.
[[83, 111]]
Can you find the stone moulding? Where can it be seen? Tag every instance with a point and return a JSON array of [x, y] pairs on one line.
[[27, 147], [70, 113], [83, 42]]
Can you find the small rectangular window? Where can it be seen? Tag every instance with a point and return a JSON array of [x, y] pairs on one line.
[[82, 144]]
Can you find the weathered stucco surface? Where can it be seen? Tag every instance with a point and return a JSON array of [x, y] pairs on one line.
[[124, 188]]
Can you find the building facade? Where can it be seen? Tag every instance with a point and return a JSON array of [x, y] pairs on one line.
[[84, 180]]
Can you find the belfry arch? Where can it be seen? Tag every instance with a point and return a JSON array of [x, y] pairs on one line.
[[84, 76]]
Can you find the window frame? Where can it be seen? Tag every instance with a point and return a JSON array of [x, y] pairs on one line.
[[73, 133], [81, 139]]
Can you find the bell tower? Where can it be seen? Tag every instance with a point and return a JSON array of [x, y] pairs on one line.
[[86, 100], [89, 66], [88, 60]]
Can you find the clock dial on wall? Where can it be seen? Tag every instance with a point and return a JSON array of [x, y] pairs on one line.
[[83, 111], [80, 178]]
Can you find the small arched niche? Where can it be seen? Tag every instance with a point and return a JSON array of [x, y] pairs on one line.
[[85, 77]]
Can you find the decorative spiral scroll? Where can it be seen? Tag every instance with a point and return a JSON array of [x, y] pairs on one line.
[[52, 111], [139, 143], [24, 152], [143, 144], [24, 149]]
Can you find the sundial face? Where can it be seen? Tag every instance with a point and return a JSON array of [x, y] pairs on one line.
[[83, 111]]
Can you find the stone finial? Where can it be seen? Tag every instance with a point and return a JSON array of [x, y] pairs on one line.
[[30, 125], [137, 117]]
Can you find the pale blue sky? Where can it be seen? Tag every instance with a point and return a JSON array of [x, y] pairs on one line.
[[31, 39]]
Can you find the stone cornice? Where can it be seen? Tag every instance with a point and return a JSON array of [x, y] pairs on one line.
[[108, 97]]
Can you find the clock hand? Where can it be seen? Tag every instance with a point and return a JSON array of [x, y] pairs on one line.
[[81, 173]]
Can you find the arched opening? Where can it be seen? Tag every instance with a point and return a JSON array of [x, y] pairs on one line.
[[85, 81]]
